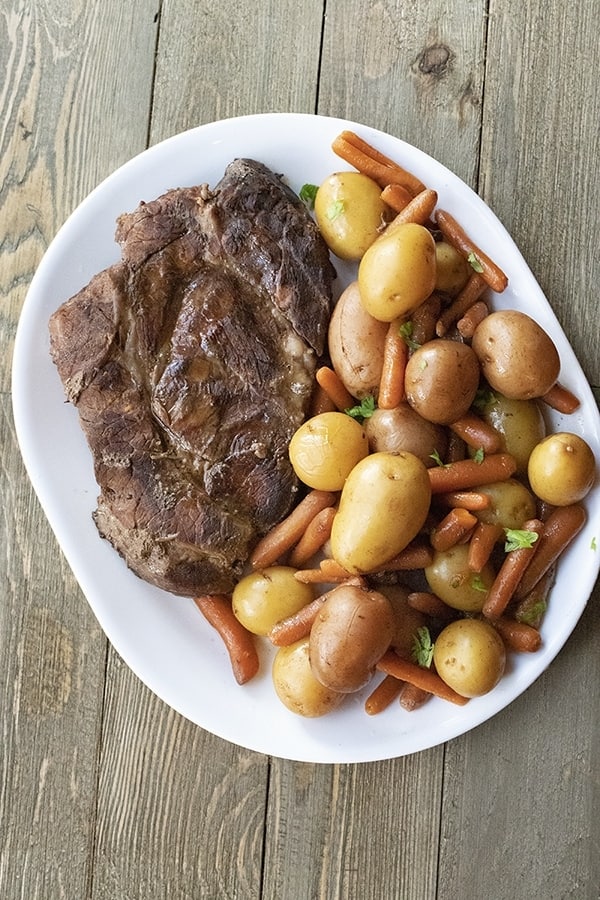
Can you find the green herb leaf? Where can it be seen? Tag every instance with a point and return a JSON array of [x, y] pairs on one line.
[[364, 410], [474, 263], [479, 456], [477, 584], [422, 649], [435, 456], [484, 398], [307, 194], [405, 331], [519, 539], [593, 545], [532, 615], [335, 209]]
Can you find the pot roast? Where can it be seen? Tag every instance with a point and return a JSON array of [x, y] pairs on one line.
[[191, 364]]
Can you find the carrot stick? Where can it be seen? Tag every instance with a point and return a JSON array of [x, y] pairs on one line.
[[430, 604], [297, 626], [288, 532], [417, 555], [467, 473], [463, 301], [395, 357], [454, 526], [321, 402], [510, 573], [413, 697], [419, 210], [396, 196], [364, 157], [517, 635], [477, 433], [562, 400], [455, 235], [239, 643], [483, 540], [328, 570], [384, 694], [474, 501], [392, 664], [561, 527], [333, 386], [473, 317], [317, 532]]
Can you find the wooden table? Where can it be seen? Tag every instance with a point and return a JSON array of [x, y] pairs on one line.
[[105, 792]]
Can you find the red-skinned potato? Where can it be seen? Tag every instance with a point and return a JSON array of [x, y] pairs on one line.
[[352, 631], [402, 428], [516, 355], [441, 380], [355, 342]]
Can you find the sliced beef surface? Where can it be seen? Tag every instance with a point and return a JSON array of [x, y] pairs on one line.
[[191, 364]]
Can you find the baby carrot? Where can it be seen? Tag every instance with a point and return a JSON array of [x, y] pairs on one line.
[[239, 643]]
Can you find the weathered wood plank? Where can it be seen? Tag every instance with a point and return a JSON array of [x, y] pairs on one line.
[[52, 657], [62, 67], [413, 70], [521, 791], [217, 60]]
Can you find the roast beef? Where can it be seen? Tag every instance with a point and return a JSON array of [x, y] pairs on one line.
[[191, 363]]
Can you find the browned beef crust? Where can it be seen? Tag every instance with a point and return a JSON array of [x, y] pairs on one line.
[[191, 362]]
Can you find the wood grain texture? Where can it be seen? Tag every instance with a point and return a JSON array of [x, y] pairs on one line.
[[413, 70]]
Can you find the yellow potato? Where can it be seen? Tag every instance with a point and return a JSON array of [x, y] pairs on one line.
[[383, 505], [265, 597], [296, 685], [397, 272], [352, 631], [452, 269], [325, 449], [519, 422], [350, 213], [511, 504], [450, 577], [356, 342], [562, 469], [469, 655]]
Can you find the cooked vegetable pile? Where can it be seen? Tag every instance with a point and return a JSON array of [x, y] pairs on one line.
[[437, 504]]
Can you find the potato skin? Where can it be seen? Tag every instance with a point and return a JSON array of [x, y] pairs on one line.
[[350, 213], [402, 428], [355, 342], [441, 380], [469, 655], [562, 469], [297, 687], [516, 355], [352, 631], [383, 505], [519, 422]]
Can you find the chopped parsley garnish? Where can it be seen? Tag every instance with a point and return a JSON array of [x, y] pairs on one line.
[[435, 456], [405, 331], [422, 649], [474, 263], [519, 539], [484, 398], [307, 194], [593, 544], [477, 584], [364, 410], [532, 615], [479, 456]]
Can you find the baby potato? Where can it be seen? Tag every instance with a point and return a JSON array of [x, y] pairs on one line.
[[450, 577], [356, 341], [325, 449], [397, 272], [470, 657], [441, 380], [383, 505], [350, 213], [519, 422], [402, 428], [562, 469], [452, 269], [265, 597], [516, 355], [352, 631], [297, 687], [511, 505]]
